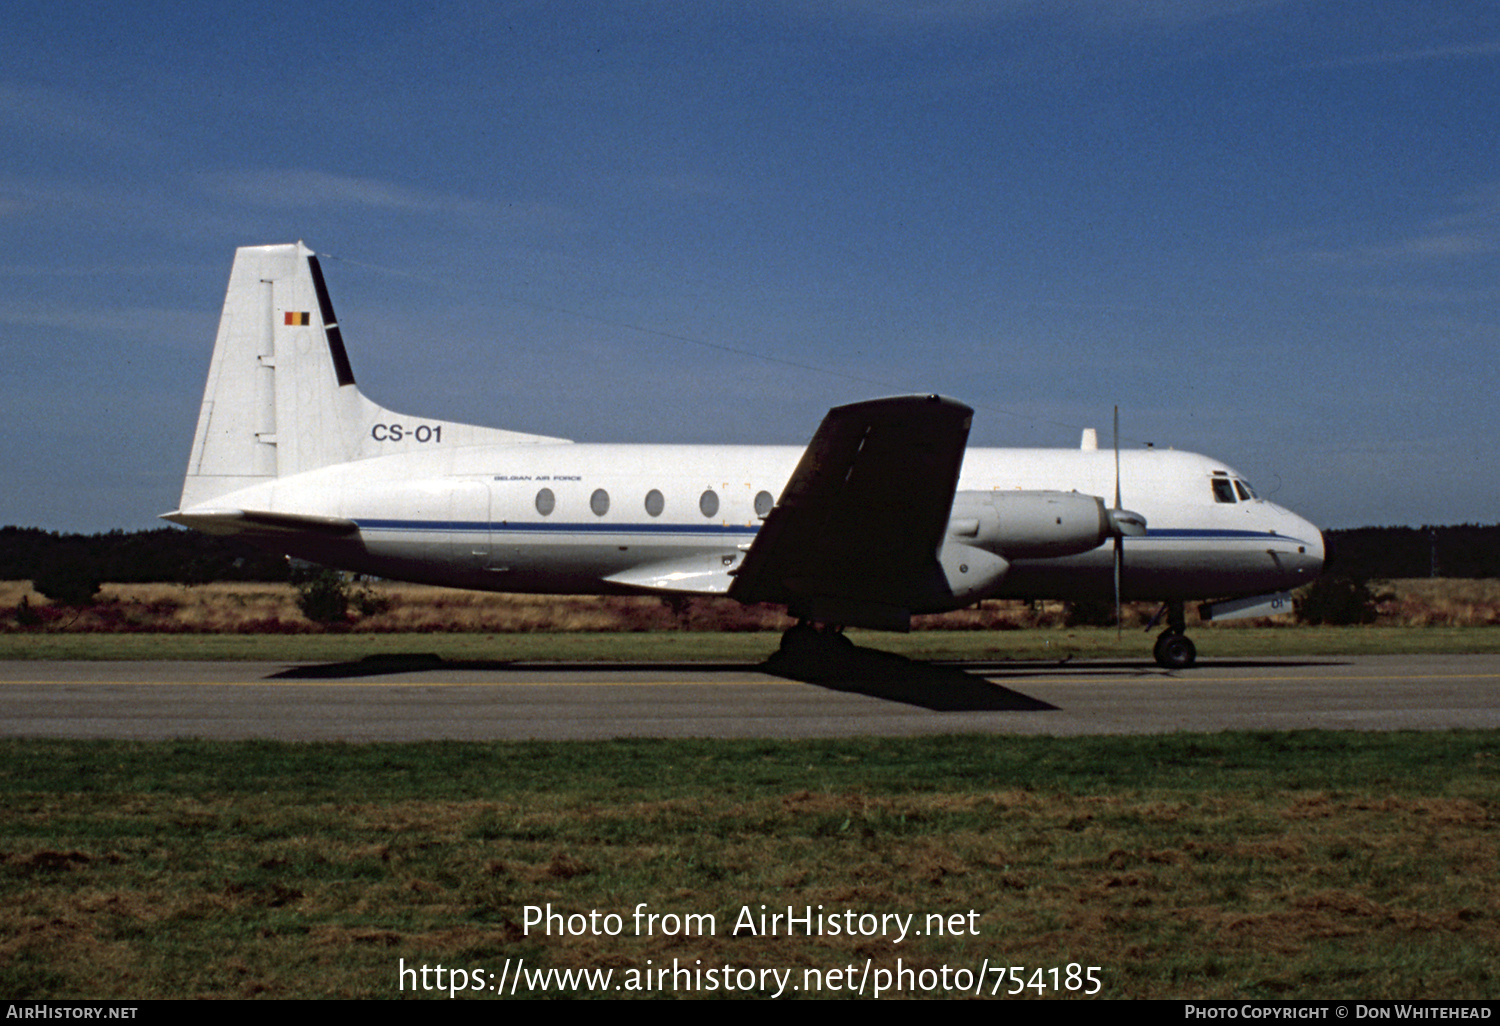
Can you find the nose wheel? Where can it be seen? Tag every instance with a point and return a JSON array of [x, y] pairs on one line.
[[1175, 651]]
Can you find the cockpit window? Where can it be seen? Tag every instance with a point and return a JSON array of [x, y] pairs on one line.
[[1246, 492], [1223, 490]]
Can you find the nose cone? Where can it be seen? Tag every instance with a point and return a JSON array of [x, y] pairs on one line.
[[1315, 552], [1306, 557]]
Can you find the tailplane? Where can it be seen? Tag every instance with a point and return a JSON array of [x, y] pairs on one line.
[[281, 397]]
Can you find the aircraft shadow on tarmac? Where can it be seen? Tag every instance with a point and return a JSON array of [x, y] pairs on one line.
[[1137, 667], [389, 664], [854, 670], [965, 687], [867, 671], [373, 666]]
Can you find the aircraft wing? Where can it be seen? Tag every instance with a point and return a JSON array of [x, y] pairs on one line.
[[854, 538]]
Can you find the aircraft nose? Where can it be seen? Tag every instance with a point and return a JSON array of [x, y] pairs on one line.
[[1317, 551], [1301, 551], [1311, 548]]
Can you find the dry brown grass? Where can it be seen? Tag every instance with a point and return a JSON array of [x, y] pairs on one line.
[[1428, 602], [389, 608], [249, 608]]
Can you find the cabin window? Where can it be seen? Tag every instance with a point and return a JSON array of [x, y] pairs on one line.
[[708, 503], [599, 502], [1223, 490], [655, 503], [763, 504], [546, 502]]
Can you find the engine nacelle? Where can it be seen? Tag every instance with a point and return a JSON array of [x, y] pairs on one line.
[[1029, 525], [970, 573]]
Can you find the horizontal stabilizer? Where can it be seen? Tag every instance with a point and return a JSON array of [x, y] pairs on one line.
[[249, 521]]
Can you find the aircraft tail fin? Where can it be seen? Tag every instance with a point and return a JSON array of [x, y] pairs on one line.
[[281, 397]]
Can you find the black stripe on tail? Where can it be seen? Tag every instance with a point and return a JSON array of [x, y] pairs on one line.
[[341, 366]]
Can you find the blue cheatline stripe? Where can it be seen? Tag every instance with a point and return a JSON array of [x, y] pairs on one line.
[[742, 530], [502, 527], [1212, 534]]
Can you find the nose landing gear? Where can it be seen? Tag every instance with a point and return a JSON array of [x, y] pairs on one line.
[[1173, 648], [1175, 651]]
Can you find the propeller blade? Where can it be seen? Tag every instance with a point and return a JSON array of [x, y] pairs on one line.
[[1117, 457], [1115, 522], [1119, 559]]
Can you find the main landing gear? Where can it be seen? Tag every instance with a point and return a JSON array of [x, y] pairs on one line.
[[1173, 649], [807, 643]]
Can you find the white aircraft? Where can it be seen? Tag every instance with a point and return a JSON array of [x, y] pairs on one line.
[[884, 514]]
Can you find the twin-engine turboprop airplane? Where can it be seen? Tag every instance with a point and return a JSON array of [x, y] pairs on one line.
[[884, 514]]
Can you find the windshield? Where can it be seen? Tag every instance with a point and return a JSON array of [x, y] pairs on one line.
[[1231, 490]]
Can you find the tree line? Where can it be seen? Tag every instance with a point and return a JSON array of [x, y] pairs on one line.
[[71, 567], [190, 557], [1365, 553]]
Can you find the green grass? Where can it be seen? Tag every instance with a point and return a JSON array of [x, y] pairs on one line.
[[1251, 865], [1083, 643]]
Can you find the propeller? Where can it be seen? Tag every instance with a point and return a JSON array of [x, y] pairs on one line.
[[1122, 522]]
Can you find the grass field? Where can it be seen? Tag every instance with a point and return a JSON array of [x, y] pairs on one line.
[[1305, 865], [705, 646], [1301, 865]]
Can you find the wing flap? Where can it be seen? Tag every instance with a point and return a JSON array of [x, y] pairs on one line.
[[697, 575]]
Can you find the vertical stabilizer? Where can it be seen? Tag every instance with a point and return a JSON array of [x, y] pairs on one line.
[[281, 397]]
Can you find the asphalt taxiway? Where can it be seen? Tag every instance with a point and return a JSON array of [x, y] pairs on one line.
[[408, 698]]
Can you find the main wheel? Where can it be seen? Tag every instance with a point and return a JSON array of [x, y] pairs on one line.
[[1175, 651], [818, 649], [800, 641]]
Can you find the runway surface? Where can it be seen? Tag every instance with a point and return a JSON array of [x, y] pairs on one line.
[[422, 698]]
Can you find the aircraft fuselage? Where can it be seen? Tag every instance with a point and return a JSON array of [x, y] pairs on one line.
[[580, 518]]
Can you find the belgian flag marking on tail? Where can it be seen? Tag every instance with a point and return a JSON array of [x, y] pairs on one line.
[[300, 320]]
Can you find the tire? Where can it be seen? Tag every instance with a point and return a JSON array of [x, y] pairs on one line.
[[1175, 651]]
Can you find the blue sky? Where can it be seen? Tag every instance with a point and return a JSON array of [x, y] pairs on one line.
[[1268, 229]]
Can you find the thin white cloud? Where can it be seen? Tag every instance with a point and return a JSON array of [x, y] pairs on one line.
[[40, 326], [1099, 15], [299, 188], [302, 189], [1472, 230], [1461, 51], [1160, 14]]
